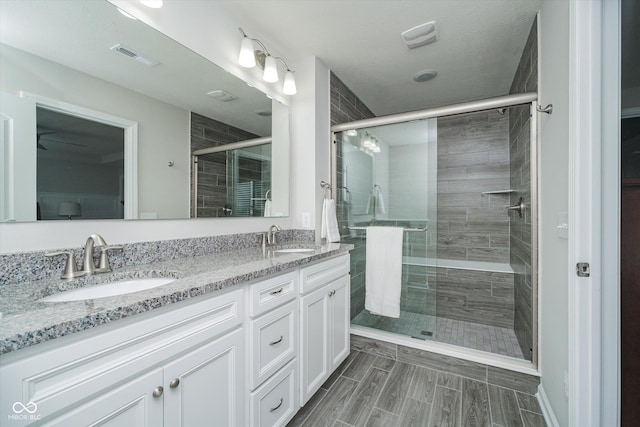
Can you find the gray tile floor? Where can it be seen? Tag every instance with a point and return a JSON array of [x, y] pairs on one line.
[[493, 339], [372, 390]]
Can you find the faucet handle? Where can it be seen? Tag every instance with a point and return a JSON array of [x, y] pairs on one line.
[[104, 265], [70, 268]]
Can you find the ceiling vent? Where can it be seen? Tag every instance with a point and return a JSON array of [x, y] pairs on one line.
[[263, 113], [420, 35], [134, 55], [222, 95]]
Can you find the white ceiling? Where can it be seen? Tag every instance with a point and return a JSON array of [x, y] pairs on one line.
[[359, 40]]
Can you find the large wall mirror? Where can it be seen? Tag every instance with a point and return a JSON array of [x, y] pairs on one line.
[[103, 117]]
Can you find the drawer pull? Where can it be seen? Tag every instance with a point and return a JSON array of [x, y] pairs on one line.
[[275, 408], [157, 392], [276, 292], [174, 383], [276, 341]]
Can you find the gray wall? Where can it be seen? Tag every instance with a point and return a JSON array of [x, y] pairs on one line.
[[346, 107], [212, 168], [525, 80]]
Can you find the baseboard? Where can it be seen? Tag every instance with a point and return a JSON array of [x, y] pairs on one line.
[[547, 411]]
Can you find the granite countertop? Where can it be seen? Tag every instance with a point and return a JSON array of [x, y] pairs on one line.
[[27, 321]]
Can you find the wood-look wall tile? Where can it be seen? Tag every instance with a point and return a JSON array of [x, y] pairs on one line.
[[532, 419], [528, 402]]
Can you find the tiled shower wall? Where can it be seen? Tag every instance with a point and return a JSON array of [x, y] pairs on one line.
[[525, 80], [473, 157], [347, 107], [212, 168]]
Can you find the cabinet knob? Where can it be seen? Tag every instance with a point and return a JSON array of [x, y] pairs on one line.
[[174, 383], [157, 392], [275, 408], [332, 293]]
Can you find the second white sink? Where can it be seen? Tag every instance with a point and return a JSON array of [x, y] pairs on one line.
[[111, 289], [293, 250]]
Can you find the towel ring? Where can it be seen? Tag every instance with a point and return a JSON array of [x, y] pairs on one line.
[[266, 195], [327, 189]]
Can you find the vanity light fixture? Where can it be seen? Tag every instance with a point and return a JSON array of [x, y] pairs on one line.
[[154, 4], [249, 57]]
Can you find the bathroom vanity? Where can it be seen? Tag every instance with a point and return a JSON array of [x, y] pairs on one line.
[[243, 338]]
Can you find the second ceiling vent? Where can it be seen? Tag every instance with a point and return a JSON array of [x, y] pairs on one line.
[[420, 35]]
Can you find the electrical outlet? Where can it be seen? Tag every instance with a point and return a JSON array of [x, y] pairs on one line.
[[566, 384], [306, 219]]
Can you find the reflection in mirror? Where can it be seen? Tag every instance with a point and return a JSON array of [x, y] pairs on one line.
[[80, 167], [72, 53]]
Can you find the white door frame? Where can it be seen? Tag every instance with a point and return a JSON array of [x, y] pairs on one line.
[[594, 200], [130, 129]]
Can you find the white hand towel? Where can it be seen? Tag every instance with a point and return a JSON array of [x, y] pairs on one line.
[[329, 226], [383, 270], [380, 203], [267, 208]]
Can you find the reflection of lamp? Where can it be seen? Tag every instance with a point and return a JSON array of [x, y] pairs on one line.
[[69, 209]]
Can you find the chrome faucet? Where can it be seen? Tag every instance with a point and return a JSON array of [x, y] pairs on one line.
[[88, 267], [269, 238]]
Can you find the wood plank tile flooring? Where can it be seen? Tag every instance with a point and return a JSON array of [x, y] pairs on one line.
[[492, 339], [372, 390]]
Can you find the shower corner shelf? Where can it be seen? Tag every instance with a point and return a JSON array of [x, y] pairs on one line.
[[498, 192]]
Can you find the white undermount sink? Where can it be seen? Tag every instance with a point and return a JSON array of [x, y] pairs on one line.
[[110, 289], [293, 250]]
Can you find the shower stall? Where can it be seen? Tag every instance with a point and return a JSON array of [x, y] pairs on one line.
[[461, 183]]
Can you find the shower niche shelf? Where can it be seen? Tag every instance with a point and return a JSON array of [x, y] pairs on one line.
[[498, 192]]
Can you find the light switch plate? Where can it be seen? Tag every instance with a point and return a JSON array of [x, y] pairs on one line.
[[563, 225]]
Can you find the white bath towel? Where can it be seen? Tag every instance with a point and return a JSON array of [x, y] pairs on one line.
[[383, 270], [329, 226], [267, 208]]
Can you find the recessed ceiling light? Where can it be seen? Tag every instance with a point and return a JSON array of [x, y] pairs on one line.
[[154, 4], [425, 75]]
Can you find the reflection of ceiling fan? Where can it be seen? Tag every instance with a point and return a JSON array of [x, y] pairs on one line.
[[42, 147]]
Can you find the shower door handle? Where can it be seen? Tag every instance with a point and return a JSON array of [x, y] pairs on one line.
[[518, 207]]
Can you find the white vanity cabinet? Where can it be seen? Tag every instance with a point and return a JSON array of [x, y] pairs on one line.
[[175, 367], [324, 322], [273, 350]]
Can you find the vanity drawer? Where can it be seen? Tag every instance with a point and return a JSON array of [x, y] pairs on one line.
[[273, 341], [274, 404], [271, 293], [318, 275]]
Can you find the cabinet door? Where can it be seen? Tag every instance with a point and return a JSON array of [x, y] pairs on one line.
[[314, 336], [130, 405], [206, 386], [340, 321]]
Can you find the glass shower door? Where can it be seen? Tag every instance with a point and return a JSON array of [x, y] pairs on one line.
[[386, 176]]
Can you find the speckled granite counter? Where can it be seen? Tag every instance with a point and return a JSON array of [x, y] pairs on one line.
[[27, 321]]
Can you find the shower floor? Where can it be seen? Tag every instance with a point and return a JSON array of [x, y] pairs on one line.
[[492, 339]]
